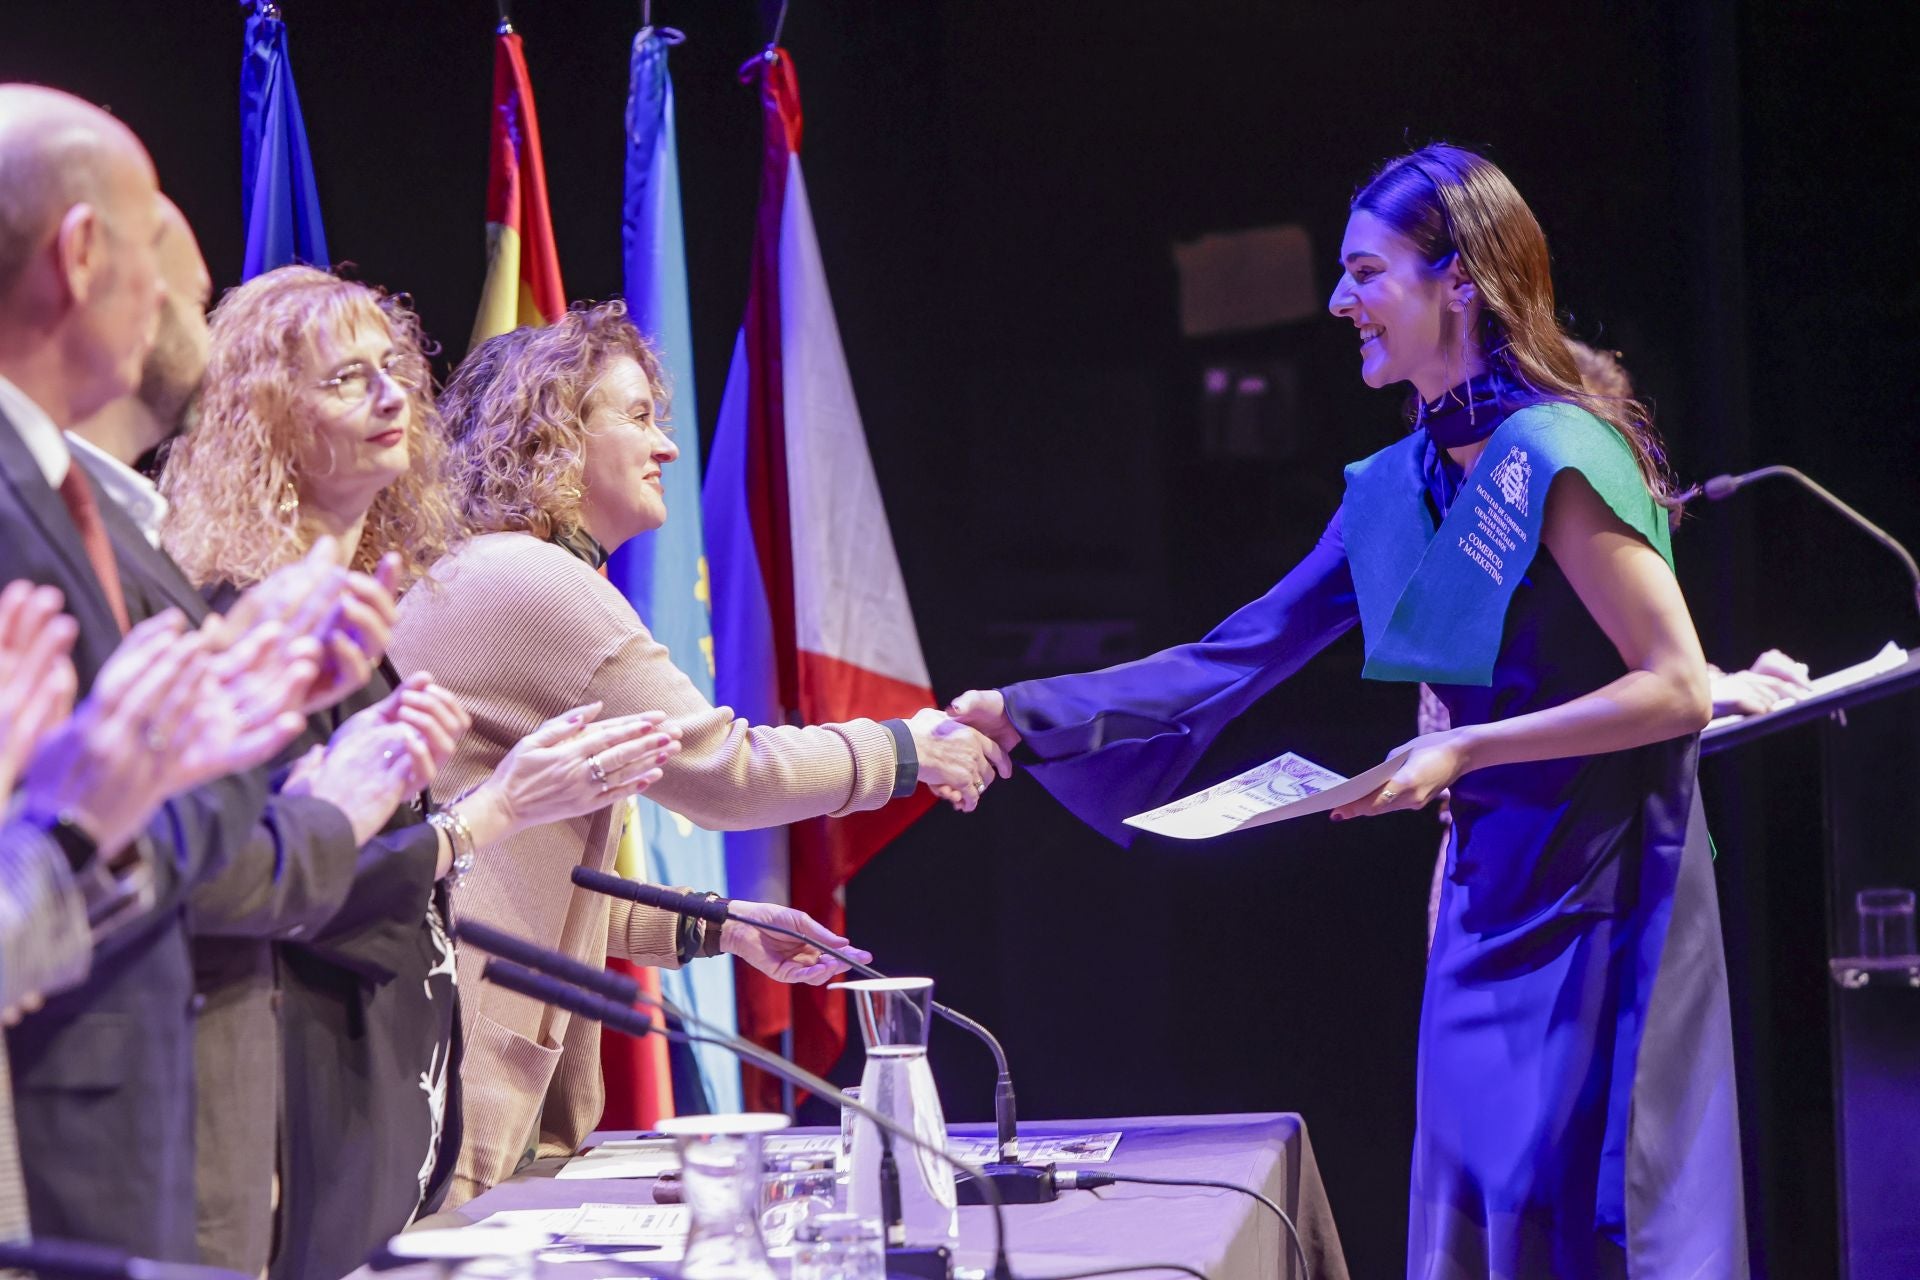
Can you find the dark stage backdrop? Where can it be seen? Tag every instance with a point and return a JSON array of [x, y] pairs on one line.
[[998, 187]]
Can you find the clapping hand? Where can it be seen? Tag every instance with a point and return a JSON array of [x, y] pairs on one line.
[[131, 744], [382, 755], [785, 959], [36, 676], [349, 614], [956, 762], [1773, 680], [250, 706], [572, 765]]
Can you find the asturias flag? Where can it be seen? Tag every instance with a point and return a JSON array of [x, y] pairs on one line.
[[664, 573], [523, 267], [279, 202], [811, 620]]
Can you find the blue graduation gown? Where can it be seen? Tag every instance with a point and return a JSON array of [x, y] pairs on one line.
[[1575, 1089]]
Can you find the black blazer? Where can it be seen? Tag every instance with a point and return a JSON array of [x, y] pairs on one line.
[[102, 1075]]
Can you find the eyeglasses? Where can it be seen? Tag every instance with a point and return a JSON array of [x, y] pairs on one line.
[[354, 384]]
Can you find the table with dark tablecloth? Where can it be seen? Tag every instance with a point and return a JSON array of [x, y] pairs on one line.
[[1225, 1234]]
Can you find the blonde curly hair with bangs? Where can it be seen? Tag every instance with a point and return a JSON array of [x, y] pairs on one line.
[[516, 412], [226, 478]]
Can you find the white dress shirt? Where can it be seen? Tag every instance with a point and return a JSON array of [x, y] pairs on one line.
[[126, 488], [38, 431]]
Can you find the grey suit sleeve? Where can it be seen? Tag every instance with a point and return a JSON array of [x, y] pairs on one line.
[[45, 945], [294, 873]]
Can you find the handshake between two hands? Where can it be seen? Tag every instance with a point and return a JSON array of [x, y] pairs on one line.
[[963, 748]]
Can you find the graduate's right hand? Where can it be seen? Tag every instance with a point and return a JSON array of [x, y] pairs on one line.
[[957, 761], [1773, 681], [986, 710]]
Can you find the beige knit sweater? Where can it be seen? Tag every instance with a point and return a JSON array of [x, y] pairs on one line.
[[521, 630]]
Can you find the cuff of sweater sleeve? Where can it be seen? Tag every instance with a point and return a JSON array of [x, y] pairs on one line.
[[875, 764], [647, 936], [906, 759]]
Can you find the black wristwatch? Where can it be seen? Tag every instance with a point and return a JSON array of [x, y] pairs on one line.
[[115, 887]]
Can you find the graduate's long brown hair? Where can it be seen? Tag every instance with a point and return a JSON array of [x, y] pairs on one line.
[[1448, 201]]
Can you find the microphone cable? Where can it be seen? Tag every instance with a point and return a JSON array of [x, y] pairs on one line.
[[1087, 1181], [1195, 1272]]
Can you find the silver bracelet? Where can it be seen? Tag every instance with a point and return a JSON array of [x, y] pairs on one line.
[[460, 837]]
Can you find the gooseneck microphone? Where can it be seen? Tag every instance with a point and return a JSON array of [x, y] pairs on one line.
[[617, 987], [1721, 487], [1016, 1183], [552, 985], [561, 994]]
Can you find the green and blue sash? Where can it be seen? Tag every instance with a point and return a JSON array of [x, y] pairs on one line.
[[1433, 600]]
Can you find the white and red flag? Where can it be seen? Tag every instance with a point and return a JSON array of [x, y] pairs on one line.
[[810, 616]]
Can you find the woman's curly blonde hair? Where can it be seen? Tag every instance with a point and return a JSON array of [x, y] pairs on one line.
[[225, 479], [516, 412]]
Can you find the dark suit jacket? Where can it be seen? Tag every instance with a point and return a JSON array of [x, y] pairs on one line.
[[102, 1076], [301, 884], [294, 876]]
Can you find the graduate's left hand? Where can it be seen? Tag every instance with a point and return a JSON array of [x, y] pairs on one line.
[[1435, 762]]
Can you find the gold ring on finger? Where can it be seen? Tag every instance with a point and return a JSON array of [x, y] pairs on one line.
[[1386, 797], [596, 771]]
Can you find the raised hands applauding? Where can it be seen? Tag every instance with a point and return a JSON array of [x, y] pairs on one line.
[[171, 709], [36, 675], [573, 764], [348, 614]]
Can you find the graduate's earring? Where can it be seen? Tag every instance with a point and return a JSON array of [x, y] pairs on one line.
[[289, 499]]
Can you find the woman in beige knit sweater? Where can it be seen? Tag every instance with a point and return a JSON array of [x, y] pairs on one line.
[[557, 450]]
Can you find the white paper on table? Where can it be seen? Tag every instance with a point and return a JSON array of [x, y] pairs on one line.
[[1287, 786], [1890, 657], [553, 1221], [624, 1158], [792, 1144], [1066, 1148], [630, 1224]]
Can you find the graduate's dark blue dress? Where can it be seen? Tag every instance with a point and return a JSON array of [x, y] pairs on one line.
[[1575, 1095]]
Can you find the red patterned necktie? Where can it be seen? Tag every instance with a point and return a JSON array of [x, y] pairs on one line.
[[78, 495]]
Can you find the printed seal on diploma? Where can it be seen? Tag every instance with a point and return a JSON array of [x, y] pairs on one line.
[[1287, 786]]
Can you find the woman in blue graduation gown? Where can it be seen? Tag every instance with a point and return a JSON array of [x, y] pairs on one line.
[[1575, 1095]]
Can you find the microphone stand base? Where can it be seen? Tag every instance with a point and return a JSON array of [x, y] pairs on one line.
[[920, 1262], [1016, 1183]]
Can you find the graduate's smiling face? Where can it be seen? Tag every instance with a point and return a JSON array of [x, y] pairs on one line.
[[1408, 315]]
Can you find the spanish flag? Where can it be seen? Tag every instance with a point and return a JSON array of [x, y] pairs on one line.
[[523, 288], [523, 267]]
